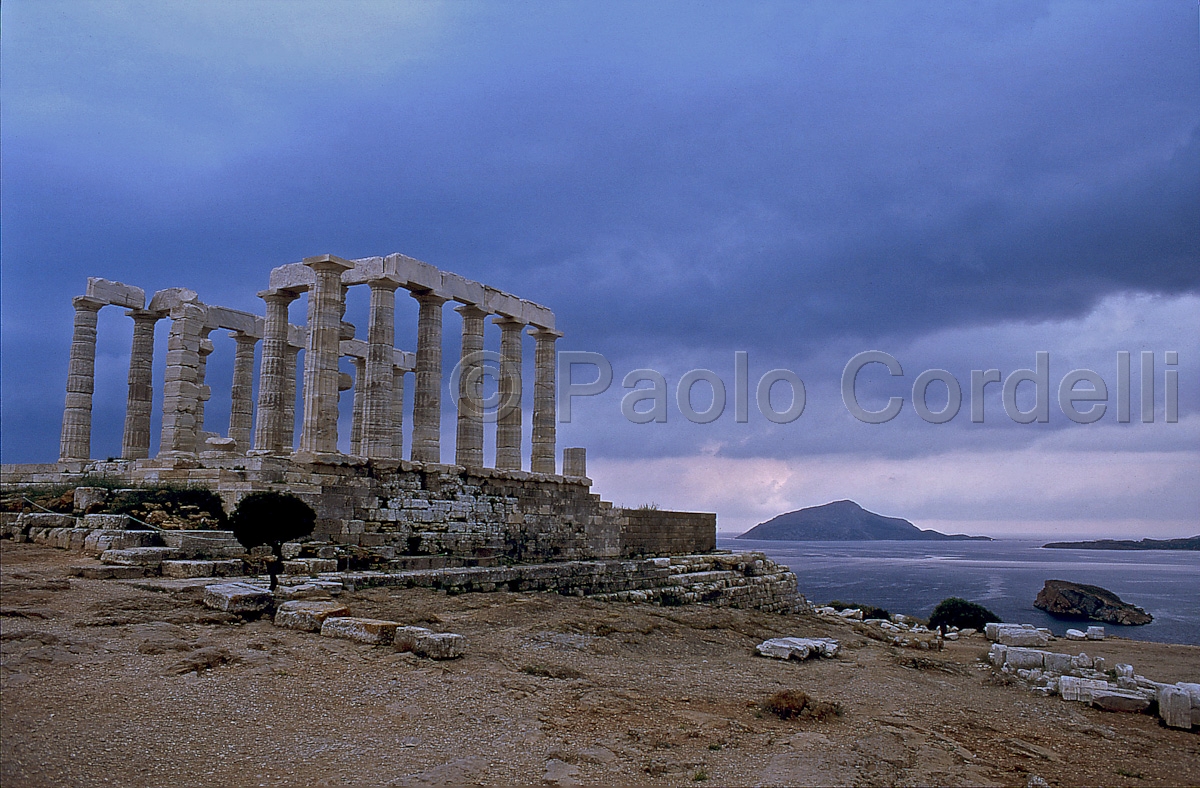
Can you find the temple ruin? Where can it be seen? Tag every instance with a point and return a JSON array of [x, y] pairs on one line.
[[374, 496]]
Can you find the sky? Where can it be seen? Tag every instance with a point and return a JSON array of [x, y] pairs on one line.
[[960, 186]]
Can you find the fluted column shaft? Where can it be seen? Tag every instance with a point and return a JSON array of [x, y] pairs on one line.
[[135, 439], [181, 380], [241, 395], [76, 440], [468, 446], [357, 409], [427, 401], [398, 413], [319, 426], [276, 386], [206, 349], [287, 435], [542, 460], [508, 417], [378, 425]]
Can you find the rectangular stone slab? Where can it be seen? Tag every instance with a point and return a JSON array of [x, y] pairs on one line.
[[1175, 707], [237, 598], [405, 638], [372, 631], [1116, 700], [440, 645], [307, 615]]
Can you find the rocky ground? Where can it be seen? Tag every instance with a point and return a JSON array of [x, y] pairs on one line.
[[117, 682]]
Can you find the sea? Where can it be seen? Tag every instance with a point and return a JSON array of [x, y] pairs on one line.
[[1004, 576]]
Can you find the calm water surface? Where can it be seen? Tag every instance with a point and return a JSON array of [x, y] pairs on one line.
[[1004, 576]]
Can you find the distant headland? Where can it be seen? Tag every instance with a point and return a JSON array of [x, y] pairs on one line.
[[845, 521], [1188, 543]]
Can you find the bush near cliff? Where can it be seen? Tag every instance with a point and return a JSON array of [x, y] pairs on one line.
[[272, 518], [957, 612]]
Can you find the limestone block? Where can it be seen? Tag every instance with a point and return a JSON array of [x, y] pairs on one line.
[[1120, 700], [232, 567], [117, 293], [188, 569], [109, 572], [290, 550], [1077, 689], [108, 522], [316, 589], [440, 645], [307, 615], [1019, 636], [1123, 671], [137, 556], [30, 520], [372, 631], [201, 543], [309, 566], [798, 648], [237, 598], [405, 638], [1095, 633], [1098, 664], [1025, 658], [1082, 661], [1059, 663], [1175, 707], [991, 631], [87, 497], [1075, 634]]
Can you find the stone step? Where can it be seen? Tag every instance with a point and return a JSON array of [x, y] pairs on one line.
[[138, 556], [373, 631]]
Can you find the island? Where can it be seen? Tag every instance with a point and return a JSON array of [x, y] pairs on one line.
[[845, 521], [1065, 599], [1188, 543]]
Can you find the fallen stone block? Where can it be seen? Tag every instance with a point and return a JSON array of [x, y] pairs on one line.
[[1120, 700], [1124, 671], [307, 615], [87, 497], [1075, 634], [967, 632], [1081, 661], [314, 589], [202, 543], [1021, 636], [187, 569], [109, 572], [372, 631], [997, 654], [1175, 707], [1098, 664], [229, 568], [1095, 633], [798, 648], [137, 556], [1025, 658], [309, 566], [440, 645], [1058, 663], [1072, 688], [851, 613], [108, 522], [28, 520], [405, 638], [237, 598]]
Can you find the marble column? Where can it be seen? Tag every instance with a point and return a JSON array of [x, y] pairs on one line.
[[241, 395], [468, 447], [76, 441], [545, 363], [378, 426], [318, 432], [356, 410], [427, 400], [288, 435], [135, 440], [181, 380], [508, 416], [398, 412], [206, 350], [276, 386]]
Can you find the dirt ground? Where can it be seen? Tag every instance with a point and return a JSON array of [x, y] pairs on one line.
[[112, 682]]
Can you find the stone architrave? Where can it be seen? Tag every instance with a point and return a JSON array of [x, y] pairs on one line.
[[206, 350], [181, 380], [427, 401], [135, 440], [241, 395], [398, 412], [378, 427], [542, 458], [508, 416], [356, 410], [318, 433], [468, 447], [276, 385], [76, 442]]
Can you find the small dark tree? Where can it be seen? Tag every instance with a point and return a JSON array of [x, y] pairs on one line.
[[272, 518], [956, 612]]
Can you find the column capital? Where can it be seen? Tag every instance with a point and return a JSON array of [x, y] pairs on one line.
[[383, 284], [144, 315], [241, 337], [87, 303], [328, 262], [539, 332], [428, 297], [471, 310], [278, 296], [507, 321]]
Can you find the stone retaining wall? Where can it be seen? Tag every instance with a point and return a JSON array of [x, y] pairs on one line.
[[648, 532]]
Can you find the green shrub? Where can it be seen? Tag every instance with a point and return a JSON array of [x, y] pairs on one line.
[[957, 612], [272, 518]]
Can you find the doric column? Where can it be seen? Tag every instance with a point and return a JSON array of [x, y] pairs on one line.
[[318, 432], [206, 349], [181, 380], [76, 442], [398, 412], [241, 395], [545, 362], [427, 400], [135, 440], [356, 410], [508, 416], [288, 435], [468, 447], [276, 385], [378, 425]]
